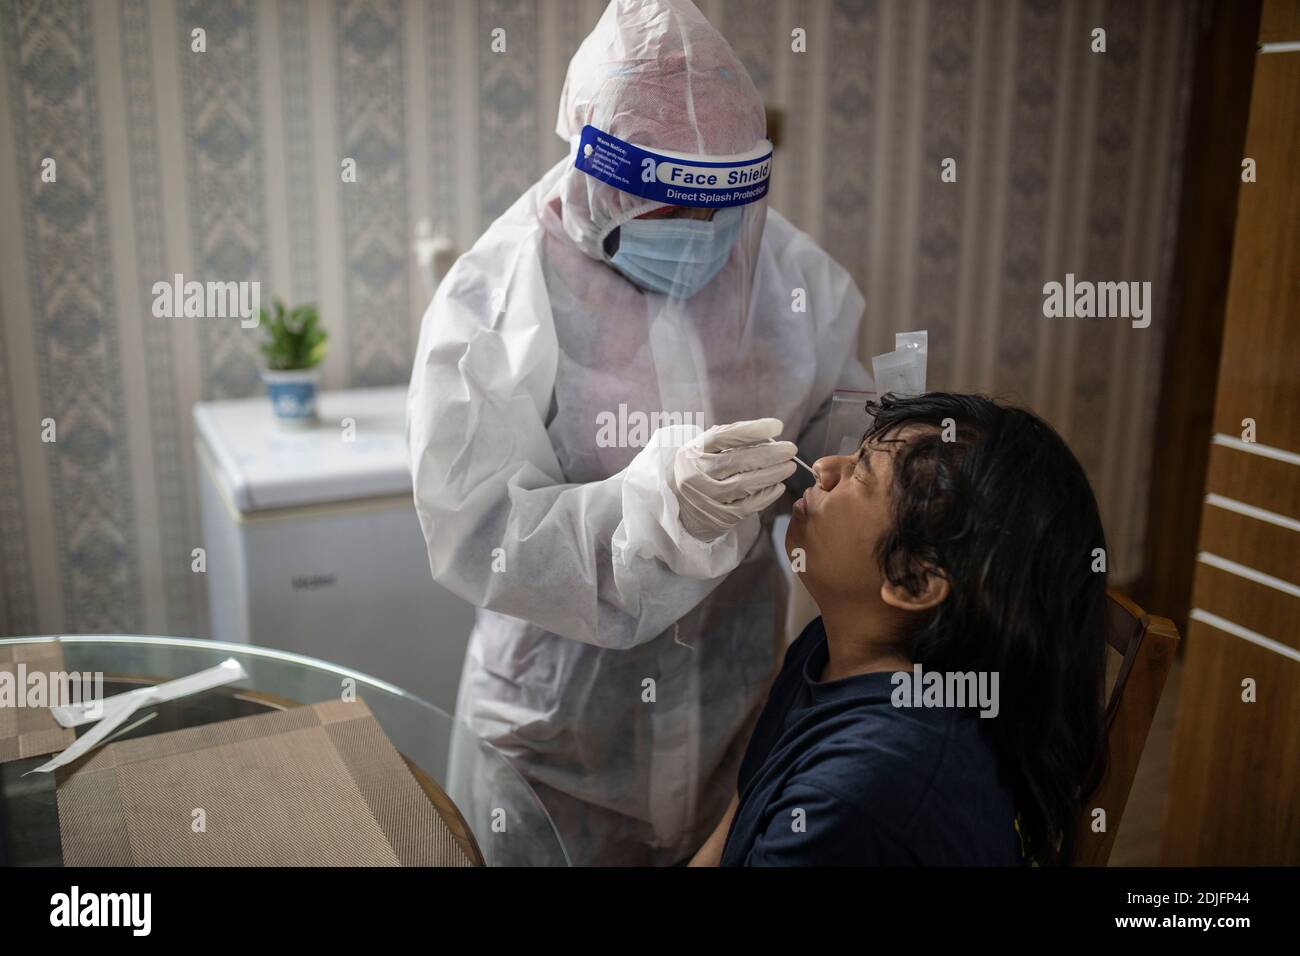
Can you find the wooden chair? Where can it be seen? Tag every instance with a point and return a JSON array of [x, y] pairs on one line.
[[1146, 645]]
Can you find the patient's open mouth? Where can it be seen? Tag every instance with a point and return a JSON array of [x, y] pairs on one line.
[[802, 506]]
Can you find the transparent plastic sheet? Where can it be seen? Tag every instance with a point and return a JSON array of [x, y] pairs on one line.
[[847, 420], [901, 372]]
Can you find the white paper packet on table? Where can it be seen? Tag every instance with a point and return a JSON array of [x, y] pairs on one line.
[[85, 712], [116, 710]]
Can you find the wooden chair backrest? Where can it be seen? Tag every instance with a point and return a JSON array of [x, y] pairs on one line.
[[1146, 645]]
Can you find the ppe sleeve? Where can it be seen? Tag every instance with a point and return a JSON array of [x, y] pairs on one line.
[[606, 562]]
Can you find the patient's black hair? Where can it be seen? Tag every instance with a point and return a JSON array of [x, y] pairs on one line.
[[1004, 511]]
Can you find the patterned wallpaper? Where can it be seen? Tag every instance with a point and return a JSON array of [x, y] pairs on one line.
[[227, 164]]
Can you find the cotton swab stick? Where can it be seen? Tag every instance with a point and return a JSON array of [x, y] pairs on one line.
[[798, 460]]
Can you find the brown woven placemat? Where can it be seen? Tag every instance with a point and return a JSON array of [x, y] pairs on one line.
[[311, 786], [30, 731]]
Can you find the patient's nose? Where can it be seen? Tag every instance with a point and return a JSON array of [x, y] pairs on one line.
[[829, 470]]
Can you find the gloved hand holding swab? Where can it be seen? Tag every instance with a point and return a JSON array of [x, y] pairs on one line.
[[729, 472], [798, 461]]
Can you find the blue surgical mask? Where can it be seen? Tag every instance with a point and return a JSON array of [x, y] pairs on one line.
[[676, 257]]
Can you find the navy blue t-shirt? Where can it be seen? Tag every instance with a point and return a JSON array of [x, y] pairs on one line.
[[877, 785]]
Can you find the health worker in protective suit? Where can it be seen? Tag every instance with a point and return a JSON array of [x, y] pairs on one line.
[[606, 398]]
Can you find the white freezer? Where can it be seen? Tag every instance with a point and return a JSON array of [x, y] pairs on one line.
[[313, 544]]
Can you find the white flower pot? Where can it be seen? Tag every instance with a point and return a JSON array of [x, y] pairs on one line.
[[293, 396]]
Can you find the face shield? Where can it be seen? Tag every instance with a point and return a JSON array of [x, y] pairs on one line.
[[684, 222]]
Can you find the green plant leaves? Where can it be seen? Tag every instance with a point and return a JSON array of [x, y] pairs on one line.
[[295, 339]]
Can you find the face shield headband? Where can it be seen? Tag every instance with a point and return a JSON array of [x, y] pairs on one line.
[[673, 257], [675, 179]]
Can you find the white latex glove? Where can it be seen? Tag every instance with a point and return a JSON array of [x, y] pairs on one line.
[[729, 472]]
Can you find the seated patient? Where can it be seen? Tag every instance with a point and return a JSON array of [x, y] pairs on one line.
[[970, 553]]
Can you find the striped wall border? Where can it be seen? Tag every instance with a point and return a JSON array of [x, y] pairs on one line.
[[65, 233]]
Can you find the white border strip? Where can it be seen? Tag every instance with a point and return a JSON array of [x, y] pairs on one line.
[[1255, 448], [1250, 574], [1250, 511], [1287, 46], [1245, 633]]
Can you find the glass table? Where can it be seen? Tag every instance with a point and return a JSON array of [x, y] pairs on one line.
[[509, 827]]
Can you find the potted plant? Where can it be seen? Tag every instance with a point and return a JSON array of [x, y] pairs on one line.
[[294, 347]]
